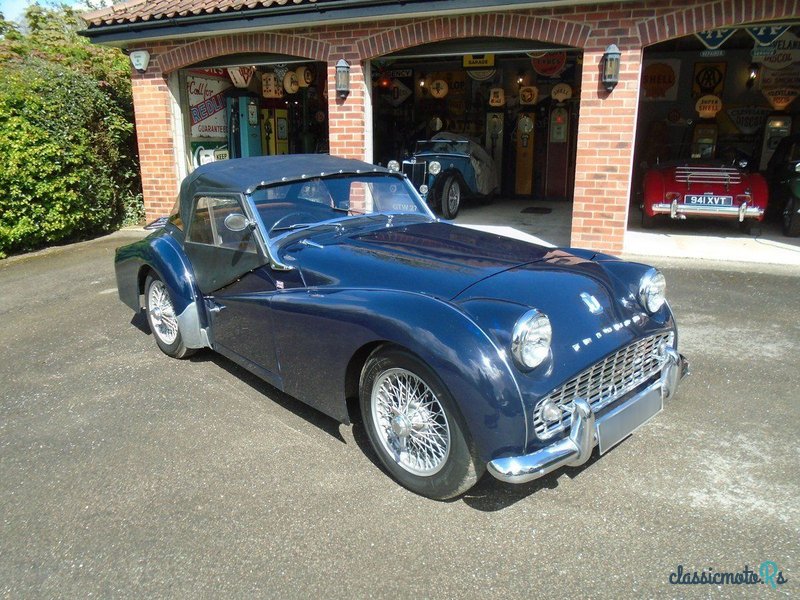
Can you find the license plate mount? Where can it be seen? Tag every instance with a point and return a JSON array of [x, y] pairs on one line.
[[707, 200], [621, 422]]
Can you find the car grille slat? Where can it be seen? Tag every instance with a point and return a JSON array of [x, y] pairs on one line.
[[415, 171], [605, 381]]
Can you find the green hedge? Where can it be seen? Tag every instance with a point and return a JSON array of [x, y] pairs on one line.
[[63, 170]]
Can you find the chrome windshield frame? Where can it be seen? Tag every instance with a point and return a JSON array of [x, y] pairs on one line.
[[271, 246]]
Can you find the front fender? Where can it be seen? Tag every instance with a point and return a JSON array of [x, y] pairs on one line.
[[163, 254], [319, 331]]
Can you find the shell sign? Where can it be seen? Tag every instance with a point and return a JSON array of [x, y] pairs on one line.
[[659, 79], [708, 106]]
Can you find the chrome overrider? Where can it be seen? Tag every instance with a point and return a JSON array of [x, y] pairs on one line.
[[574, 450]]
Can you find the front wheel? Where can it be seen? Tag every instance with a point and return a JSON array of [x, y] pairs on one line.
[[791, 220], [162, 318], [451, 197], [413, 426]]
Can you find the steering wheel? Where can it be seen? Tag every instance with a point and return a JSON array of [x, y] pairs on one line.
[[293, 218]]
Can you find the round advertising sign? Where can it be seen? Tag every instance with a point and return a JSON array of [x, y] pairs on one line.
[[549, 64]]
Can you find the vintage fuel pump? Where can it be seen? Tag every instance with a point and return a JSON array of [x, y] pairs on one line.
[[494, 138], [244, 131], [558, 151], [525, 150], [704, 140], [776, 128]]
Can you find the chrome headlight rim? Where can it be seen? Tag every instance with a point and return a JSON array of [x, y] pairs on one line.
[[531, 339], [393, 165], [652, 290], [434, 167]]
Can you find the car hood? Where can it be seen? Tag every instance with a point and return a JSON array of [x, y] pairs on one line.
[[433, 258]]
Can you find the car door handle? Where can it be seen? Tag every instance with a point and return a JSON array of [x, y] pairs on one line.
[[214, 307]]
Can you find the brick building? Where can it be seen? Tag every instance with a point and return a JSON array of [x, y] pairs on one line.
[[395, 50]]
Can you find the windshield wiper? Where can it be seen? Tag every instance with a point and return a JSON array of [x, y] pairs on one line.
[[291, 227]]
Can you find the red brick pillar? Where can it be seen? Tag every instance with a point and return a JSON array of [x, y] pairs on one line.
[[153, 110], [606, 130], [347, 118]]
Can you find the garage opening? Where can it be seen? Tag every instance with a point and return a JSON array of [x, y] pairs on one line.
[[709, 160], [252, 105], [497, 119]]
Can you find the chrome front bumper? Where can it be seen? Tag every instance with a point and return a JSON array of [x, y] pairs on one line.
[[681, 211], [576, 449]]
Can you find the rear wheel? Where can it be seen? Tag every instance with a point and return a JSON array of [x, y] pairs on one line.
[[414, 428], [162, 318], [451, 197], [791, 220]]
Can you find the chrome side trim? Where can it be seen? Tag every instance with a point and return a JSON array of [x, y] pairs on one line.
[[678, 211], [193, 335]]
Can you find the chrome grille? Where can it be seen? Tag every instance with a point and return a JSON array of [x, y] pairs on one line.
[[718, 175], [415, 171], [605, 381]]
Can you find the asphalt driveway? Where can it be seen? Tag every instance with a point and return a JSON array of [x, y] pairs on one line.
[[126, 473]]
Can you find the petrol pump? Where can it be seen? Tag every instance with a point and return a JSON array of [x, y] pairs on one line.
[[776, 128], [525, 150], [244, 129], [556, 184], [494, 127]]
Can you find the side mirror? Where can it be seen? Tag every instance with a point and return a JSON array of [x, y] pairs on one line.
[[236, 222]]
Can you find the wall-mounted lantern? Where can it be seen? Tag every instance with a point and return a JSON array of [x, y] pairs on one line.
[[753, 75], [140, 59], [342, 78], [609, 67]]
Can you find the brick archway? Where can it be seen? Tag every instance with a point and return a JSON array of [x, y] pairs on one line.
[[543, 29], [207, 48], [714, 15]]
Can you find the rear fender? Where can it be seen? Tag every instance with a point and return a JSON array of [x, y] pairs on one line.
[[654, 191], [319, 331]]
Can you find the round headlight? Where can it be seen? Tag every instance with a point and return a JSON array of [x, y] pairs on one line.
[[393, 165], [530, 340], [652, 290], [742, 163], [434, 167]]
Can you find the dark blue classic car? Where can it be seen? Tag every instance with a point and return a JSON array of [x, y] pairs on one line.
[[331, 279], [448, 168]]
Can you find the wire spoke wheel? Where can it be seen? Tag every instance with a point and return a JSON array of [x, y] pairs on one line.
[[161, 313], [454, 197], [410, 421]]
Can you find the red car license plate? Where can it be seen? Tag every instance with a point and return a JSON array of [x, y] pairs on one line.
[[708, 200]]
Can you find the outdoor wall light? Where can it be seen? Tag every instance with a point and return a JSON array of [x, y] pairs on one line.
[[342, 78], [140, 59], [609, 67], [751, 78]]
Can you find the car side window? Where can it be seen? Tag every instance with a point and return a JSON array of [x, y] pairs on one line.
[[217, 222]]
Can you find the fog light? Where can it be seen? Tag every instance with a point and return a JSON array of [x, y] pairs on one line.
[[423, 189], [551, 412]]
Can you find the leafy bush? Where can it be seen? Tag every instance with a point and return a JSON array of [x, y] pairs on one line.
[[68, 167]]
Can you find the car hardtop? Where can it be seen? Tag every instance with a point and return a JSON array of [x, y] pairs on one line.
[[245, 175]]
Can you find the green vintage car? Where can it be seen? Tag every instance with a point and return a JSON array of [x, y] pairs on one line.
[[783, 175]]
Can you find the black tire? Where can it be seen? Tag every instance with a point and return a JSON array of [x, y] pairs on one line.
[[450, 474], [648, 222], [160, 321], [791, 220], [450, 199]]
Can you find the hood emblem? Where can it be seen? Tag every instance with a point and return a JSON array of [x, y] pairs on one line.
[[592, 304]]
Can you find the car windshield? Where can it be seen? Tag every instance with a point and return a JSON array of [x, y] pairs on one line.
[[318, 200], [443, 146]]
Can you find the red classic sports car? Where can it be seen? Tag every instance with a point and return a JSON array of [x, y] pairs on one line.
[[704, 188]]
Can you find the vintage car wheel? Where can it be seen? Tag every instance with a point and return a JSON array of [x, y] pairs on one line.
[[162, 318], [451, 197], [791, 220], [414, 428]]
